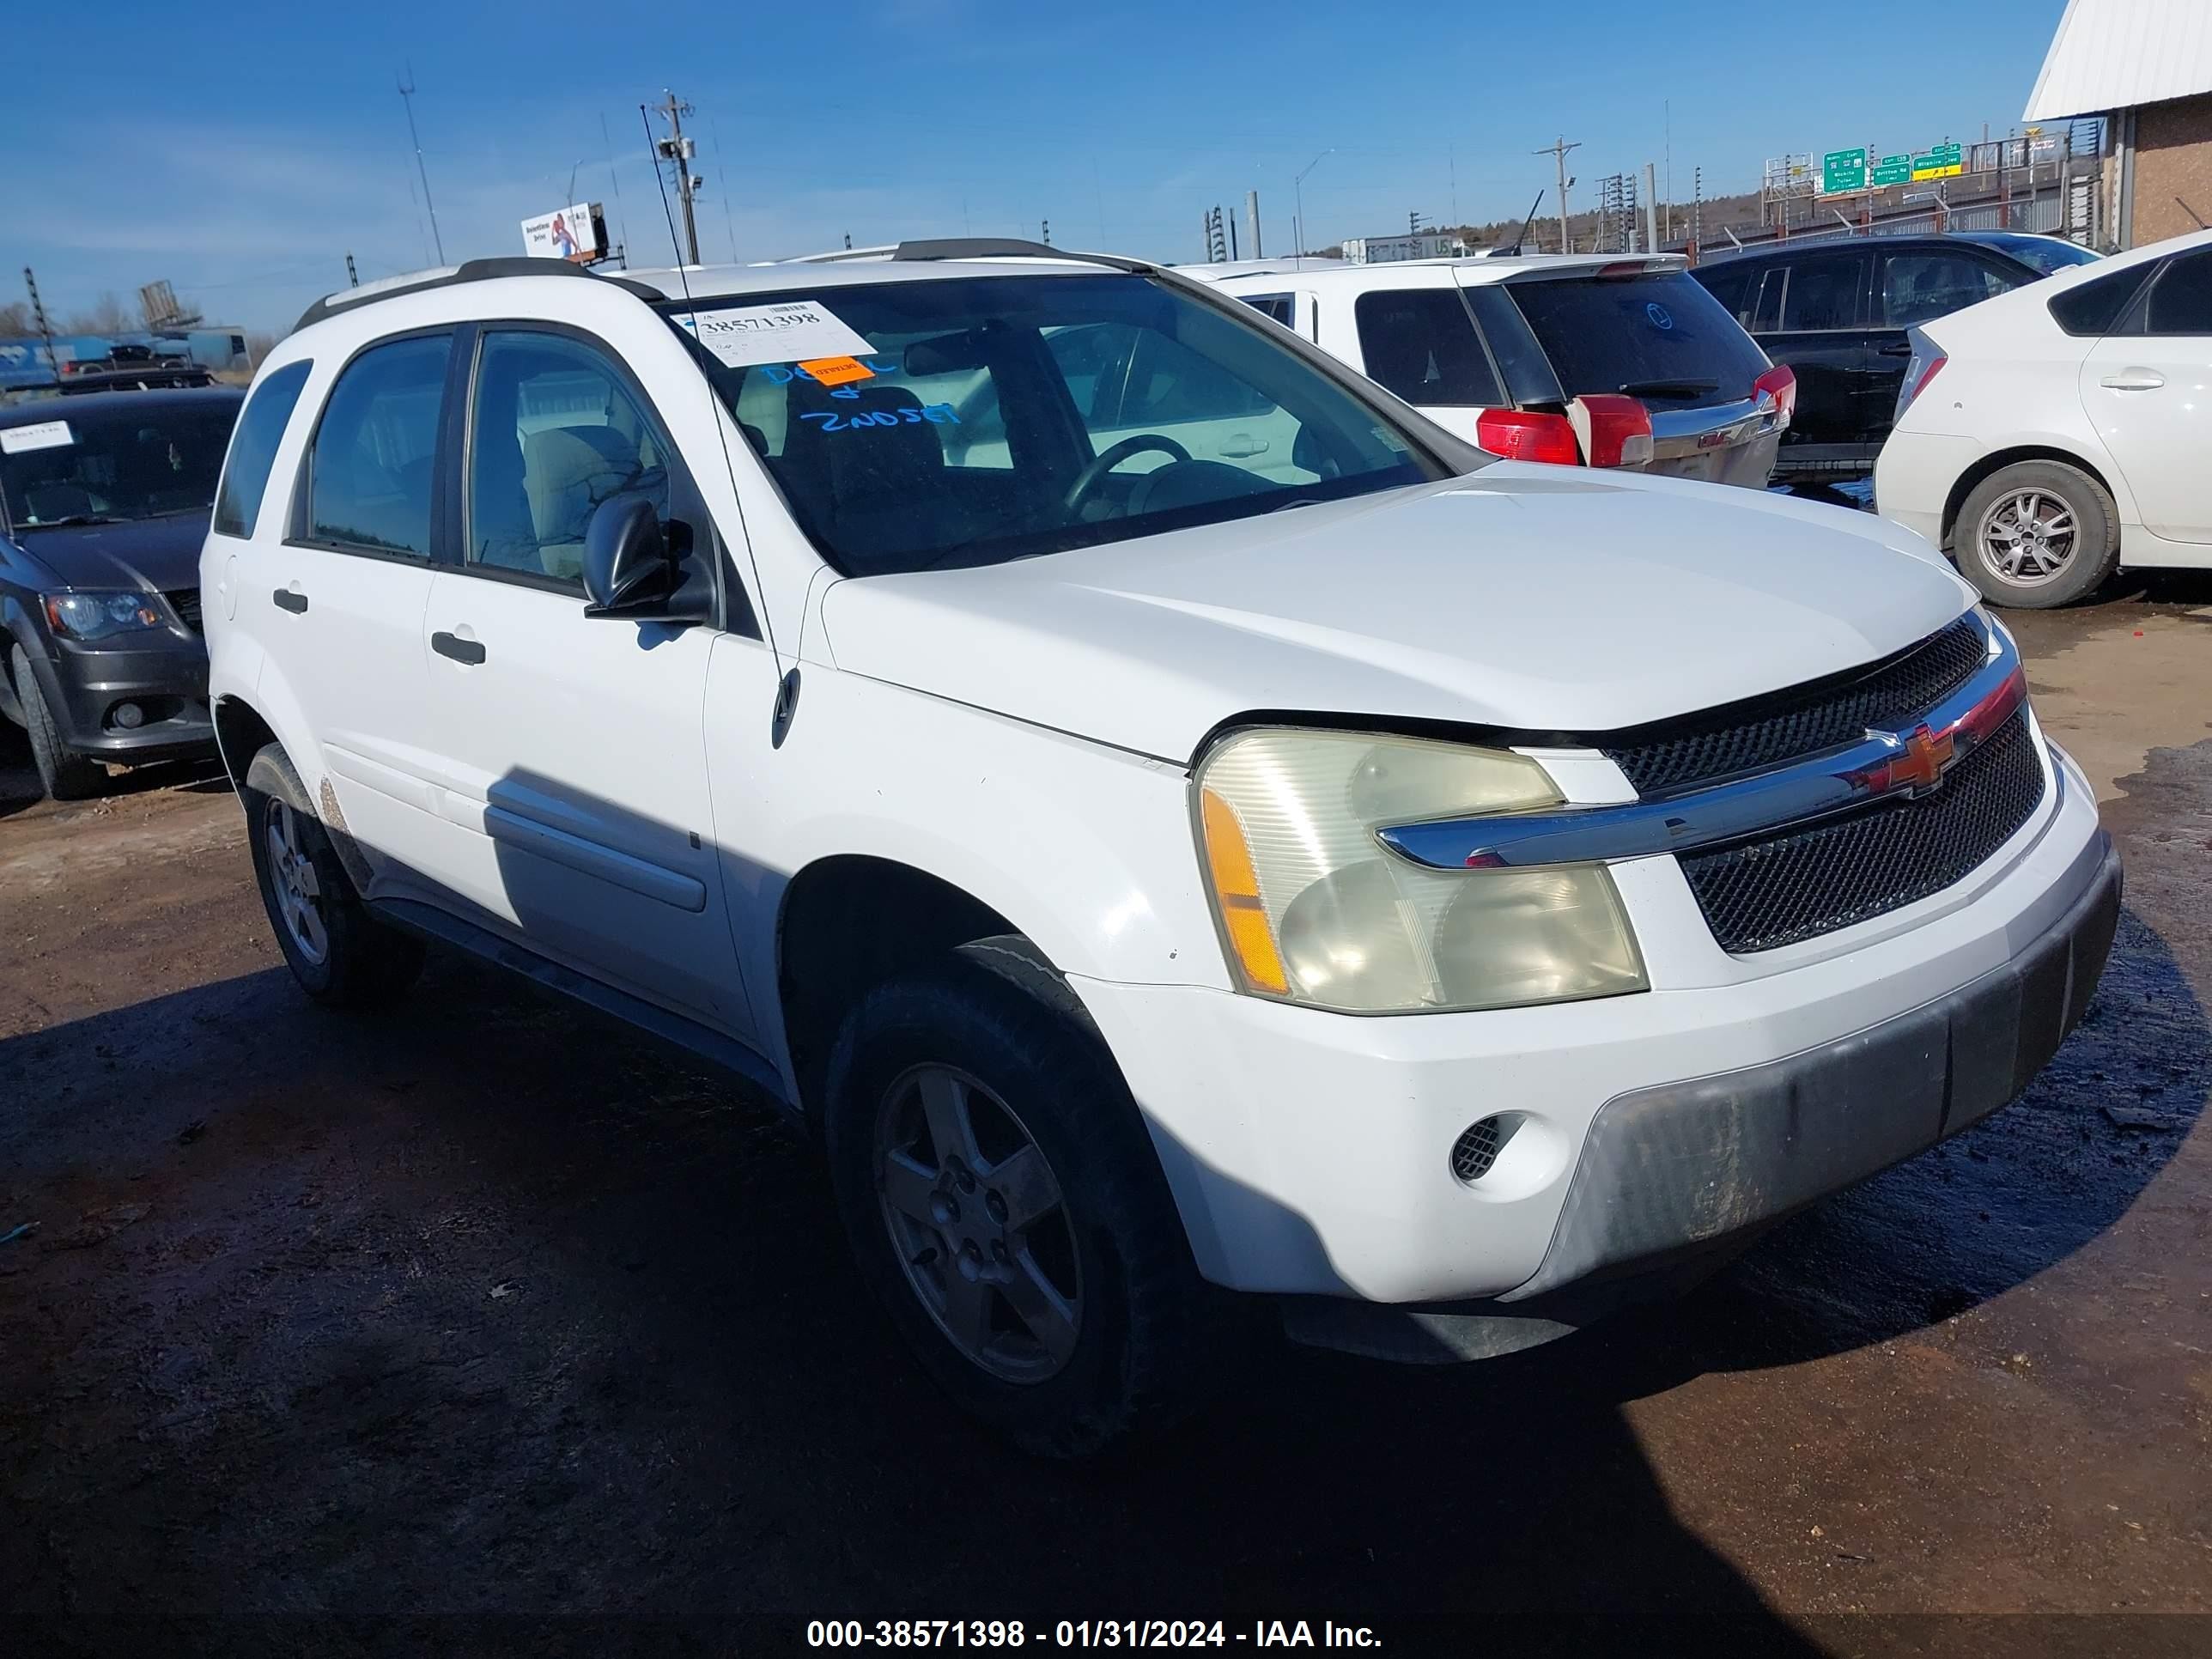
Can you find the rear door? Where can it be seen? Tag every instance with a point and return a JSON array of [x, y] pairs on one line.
[[2146, 388], [1812, 308], [574, 805], [340, 602]]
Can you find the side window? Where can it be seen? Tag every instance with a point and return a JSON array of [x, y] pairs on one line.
[[370, 477], [554, 432], [1170, 385], [1918, 283], [253, 449], [1731, 285], [1092, 358], [1766, 300], [1824, 290], [2093, 307], [1421, 345], [1277, 307], [2181, 298]]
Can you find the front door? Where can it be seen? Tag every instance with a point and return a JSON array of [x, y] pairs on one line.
[[573, 762], [2148, 392]]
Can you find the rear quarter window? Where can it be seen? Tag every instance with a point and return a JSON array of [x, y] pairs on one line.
[[253, 446], [1656, 336], [1420, 343], [2094, 307]]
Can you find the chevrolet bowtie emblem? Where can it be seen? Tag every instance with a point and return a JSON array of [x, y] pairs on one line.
[[1927, 756]]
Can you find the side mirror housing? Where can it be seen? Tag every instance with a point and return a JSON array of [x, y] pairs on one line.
[[631, 569]]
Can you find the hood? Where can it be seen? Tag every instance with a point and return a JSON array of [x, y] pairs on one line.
[[161, 553], [1515, 598]]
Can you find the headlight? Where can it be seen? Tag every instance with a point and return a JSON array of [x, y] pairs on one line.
[[1314, 909], [95, 615]]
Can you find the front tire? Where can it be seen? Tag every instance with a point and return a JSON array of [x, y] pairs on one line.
[[341, 954], [65, 775], [2038, 535], [1004, 1201]]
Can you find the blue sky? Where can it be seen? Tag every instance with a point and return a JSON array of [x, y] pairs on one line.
[[239, 151]]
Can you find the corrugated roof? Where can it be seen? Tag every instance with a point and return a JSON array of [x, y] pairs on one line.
[[2115, 54]]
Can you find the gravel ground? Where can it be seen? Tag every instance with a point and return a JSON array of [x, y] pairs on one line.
[[481, 1326]]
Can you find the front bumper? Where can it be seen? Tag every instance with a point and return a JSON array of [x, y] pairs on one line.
[[1310, 1154], [167, 677]]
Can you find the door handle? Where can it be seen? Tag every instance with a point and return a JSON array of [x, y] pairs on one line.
[[1243, 444], [2134, 379], [460, 650], [286, 598], [1896, 348]]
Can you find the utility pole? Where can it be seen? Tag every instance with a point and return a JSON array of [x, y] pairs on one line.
[[1252, 221], [1413, 222], [1045, 226], [353, 277], [407, 98], [1650, 211], [1558, 150], [38, 314], [676, 150]]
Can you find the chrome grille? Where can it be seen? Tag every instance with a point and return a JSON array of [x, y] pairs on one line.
[[1800, 884]]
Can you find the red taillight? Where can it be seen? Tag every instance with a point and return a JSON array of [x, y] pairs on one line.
[[1615, 430], [1523, 434], [1779, 383], [1935, 365]]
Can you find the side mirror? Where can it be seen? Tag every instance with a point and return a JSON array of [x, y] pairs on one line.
[[630, 568]]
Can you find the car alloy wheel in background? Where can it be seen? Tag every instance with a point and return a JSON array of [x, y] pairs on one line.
[[2028, 536], [292, 882]]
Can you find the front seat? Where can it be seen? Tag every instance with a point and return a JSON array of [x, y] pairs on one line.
[[566, 471], [877, 488]]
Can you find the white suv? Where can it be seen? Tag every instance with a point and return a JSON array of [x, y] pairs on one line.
[[1585, 359], [1478, 894]]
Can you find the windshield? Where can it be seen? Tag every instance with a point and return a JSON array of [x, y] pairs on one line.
[[969, 421], [2045, 254], [1658, 336], [92, 466]]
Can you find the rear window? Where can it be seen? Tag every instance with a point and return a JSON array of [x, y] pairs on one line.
[[2093, 307], [1657, 336]]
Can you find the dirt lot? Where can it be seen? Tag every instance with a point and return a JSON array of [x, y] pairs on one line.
[[483, 1326]]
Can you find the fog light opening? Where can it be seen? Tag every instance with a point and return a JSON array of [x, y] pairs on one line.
[[129, 715], [1475, 1153]]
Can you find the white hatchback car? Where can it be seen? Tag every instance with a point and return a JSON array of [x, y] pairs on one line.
[[2053, 434], [1446, 896], [1586, 359]]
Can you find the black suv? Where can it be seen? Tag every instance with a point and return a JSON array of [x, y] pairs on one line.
[[104, 502], [1836, 311]]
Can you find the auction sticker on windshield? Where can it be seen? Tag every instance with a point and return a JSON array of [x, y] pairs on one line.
[[790, 331], [43, 434]]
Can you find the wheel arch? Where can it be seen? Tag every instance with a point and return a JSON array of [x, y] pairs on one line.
[[240, 733], [849, 920], [1987, 467]]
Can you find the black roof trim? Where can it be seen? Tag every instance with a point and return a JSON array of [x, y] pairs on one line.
[[1005, 247], [474, 270]]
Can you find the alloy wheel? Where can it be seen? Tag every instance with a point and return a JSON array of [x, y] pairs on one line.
[[292, 878], [2028, 536], [978, 1222]]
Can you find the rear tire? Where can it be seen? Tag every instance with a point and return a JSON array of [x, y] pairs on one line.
[[66, 775], [342, 955], [1067, 1332], [2038, 535]]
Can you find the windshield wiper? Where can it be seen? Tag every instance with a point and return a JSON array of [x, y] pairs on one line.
[[73, 518], [1670, 388]]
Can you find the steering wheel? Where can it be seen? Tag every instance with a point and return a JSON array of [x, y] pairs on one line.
[[1079, 493]]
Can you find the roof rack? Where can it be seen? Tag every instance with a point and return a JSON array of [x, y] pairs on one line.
[[471, 271], [1006, 248]]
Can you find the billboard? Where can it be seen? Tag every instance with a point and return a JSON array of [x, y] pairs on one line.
[[575, 233]]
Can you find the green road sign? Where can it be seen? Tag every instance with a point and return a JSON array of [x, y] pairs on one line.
[[1843, 170], [1893, 170], [1943, 161]]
